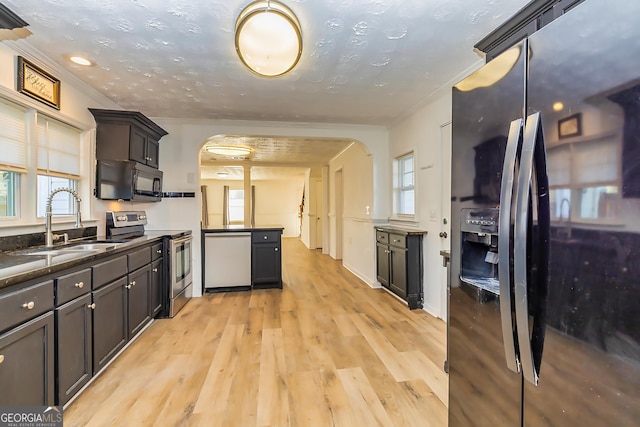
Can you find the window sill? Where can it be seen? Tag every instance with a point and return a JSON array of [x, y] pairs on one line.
[[405, 221]]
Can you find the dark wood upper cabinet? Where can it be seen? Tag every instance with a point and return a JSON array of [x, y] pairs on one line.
[[127, 135]]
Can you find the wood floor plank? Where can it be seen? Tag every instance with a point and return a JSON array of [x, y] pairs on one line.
[[326, 350], [365, 403]]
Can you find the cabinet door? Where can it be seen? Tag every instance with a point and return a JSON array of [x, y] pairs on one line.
[[153, 152], [398, 282], [157, 287], [139, 299], [109, 322], [138, 146], [73, 347], [266, 264], [26, 363], [382, 264]]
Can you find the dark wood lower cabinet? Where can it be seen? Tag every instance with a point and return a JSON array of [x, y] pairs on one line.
[[27, 363], [399, 264], [266, 259], [109, 322], [139, 298], [74, 359]]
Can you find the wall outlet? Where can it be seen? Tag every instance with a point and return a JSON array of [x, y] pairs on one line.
[[367, 210]]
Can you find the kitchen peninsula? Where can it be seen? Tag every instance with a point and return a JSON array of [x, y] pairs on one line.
[[238, 257]]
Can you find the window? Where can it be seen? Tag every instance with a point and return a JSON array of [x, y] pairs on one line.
[[58, 165], [63, 203], [14, 159], [405, 192], [585, 180], [236, 206], [8, 185]]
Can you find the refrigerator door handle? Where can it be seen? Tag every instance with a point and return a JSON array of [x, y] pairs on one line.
[[533, 157], [504, 244]]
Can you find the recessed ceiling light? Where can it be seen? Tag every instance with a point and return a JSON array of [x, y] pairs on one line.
[[558, 106], [222, 174], [80, 60], [228, 150]]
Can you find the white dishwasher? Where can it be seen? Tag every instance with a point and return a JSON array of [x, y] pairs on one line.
[[227, 259]]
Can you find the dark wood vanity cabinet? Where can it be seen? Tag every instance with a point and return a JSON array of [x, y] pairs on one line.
[[399, 263], [127, 135]]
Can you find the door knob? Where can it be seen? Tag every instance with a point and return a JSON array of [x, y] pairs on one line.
[[443, 234]]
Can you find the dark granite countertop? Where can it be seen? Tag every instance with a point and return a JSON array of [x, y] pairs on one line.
[[238, 228], [17, 268], [400, 230]]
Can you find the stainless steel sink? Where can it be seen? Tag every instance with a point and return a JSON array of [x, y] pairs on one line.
[[93, 246], [72, 248]]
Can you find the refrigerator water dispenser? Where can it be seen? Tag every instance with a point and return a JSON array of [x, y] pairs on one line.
[[479, 249]]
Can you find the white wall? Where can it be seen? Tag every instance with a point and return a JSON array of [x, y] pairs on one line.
[[421, 133], [358, 216], [277, 202]]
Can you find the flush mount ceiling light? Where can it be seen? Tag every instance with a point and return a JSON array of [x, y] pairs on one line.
[[228, 150], [268, 38]]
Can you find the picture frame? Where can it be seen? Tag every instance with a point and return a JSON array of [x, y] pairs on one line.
[[570, 126], [36, 83]]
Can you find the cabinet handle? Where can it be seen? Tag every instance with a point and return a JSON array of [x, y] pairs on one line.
[[128, 286], [265, 237], [396, 241], [159, 251], [1, 358], [29, 305], [92, 306], [79, 285], [276, 249], [133, 283], [155, 270]]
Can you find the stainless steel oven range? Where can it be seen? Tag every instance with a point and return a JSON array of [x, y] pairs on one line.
[[180, 273], [129, 225]]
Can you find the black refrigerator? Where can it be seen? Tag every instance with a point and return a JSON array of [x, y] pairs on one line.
[[544, 323]]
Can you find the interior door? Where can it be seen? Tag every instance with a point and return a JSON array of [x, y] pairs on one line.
[[319, 219], [445, 211]]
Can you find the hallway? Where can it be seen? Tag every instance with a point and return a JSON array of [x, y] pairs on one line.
[[326, 350]]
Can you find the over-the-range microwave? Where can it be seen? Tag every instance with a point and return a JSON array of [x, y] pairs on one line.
[[127, 180]]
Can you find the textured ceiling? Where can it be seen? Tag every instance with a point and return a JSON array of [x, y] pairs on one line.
[[364, 61]]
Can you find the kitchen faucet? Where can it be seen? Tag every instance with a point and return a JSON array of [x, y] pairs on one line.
[[49, 237]]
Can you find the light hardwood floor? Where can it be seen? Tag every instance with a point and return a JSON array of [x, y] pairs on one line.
[[326, 350]]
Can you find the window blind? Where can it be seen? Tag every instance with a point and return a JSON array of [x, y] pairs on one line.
[[58, 149], [12, 138]]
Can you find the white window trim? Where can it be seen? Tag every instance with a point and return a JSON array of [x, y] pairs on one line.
[[409, 219]]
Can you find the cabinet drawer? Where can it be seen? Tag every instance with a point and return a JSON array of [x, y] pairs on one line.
[[398, 240], [265, 236], [382, 237], [108, 271], [72, 285], [156, 251], [139, 258], [24, 304]]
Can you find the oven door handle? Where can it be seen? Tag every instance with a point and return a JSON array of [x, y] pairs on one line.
[[180, 240]]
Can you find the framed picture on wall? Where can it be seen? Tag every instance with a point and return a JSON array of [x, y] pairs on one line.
[[570, 126], [33, 81]]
